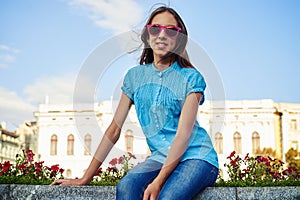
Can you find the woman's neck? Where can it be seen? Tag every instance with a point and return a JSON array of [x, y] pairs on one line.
[[163, 64]]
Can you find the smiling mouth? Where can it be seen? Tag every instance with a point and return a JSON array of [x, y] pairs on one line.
[[161, 45]]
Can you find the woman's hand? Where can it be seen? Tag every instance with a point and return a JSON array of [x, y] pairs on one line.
[[69, 182], [152, 191]]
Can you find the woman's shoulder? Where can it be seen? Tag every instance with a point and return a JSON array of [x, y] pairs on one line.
[[138, 68], [190, 72]]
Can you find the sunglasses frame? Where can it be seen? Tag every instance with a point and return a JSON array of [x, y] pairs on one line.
[[161, 27]]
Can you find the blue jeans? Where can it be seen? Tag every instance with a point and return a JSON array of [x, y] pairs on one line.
[[185, 182]]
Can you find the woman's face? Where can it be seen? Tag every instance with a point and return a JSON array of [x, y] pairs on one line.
[[161, 43]]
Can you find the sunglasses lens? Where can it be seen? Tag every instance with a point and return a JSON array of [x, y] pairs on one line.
[[171, 31], [154, 30]]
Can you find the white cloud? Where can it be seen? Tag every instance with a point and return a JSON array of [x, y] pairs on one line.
[[58, 89], [4, 47], [7, 55], [7, 58], [16, 109], [115, 15], [13, 108]]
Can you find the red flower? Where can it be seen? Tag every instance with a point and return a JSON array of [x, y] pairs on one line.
[[39, 167], [54, 168], [231, 155], [246, 157], [233, 163], [112, 169], [6, 166], [281, 162], [61, 170], [276, 175], [99, 171], [21, 167], [271, 159]]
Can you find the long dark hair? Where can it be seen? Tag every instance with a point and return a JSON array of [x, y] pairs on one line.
[[179, 53]]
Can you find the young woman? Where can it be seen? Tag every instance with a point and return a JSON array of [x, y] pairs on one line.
[[166, 90]]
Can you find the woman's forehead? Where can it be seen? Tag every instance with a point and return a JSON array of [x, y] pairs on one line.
[[164, 18]]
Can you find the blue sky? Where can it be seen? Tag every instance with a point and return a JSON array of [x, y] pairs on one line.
[[254, 45]]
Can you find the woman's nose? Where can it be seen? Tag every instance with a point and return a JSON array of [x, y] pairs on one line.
[[162, 33]]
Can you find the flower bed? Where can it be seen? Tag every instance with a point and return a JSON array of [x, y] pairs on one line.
[[250, 171], [258, 171]]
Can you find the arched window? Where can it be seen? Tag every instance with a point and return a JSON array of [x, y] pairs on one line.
[[70, 145], [255, 142], [129, 141], [237, 142], [53, 145], [87, 144], [68, 173], [219, 143]]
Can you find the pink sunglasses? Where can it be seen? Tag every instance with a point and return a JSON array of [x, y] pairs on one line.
[[170, 30]]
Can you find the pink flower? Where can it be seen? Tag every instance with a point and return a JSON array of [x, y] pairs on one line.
[[120, 160], [131, 155], [30, 155], [113, 162]]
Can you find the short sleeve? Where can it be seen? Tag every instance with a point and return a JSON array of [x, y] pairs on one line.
[[127, 86], [196, 83]]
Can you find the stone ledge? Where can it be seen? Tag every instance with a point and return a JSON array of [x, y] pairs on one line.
[[46, 192]]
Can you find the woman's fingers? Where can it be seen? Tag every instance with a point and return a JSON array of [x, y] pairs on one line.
[[61, 182]]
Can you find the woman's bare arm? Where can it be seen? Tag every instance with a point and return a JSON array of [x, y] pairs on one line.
[[110, 137]]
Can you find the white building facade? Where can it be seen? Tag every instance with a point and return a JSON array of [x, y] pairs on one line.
[[69, 135]]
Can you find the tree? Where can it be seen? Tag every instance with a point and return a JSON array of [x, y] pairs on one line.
[[266, 152], [293, 158]]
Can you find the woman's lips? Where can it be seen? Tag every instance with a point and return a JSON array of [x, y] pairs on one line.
[[161, 45]]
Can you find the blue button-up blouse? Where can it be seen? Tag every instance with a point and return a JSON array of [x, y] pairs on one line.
[[158, 97]]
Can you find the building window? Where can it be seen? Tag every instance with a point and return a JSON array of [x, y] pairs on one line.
[[87, 144], [255, 143], [294, 145], [53, 145], [219, 143], [293, 124], [68, 173], [237, 142], [129, 141], [70, 145]]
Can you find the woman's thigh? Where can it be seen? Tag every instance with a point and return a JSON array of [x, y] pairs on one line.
[[188, 179], [132, 186]]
